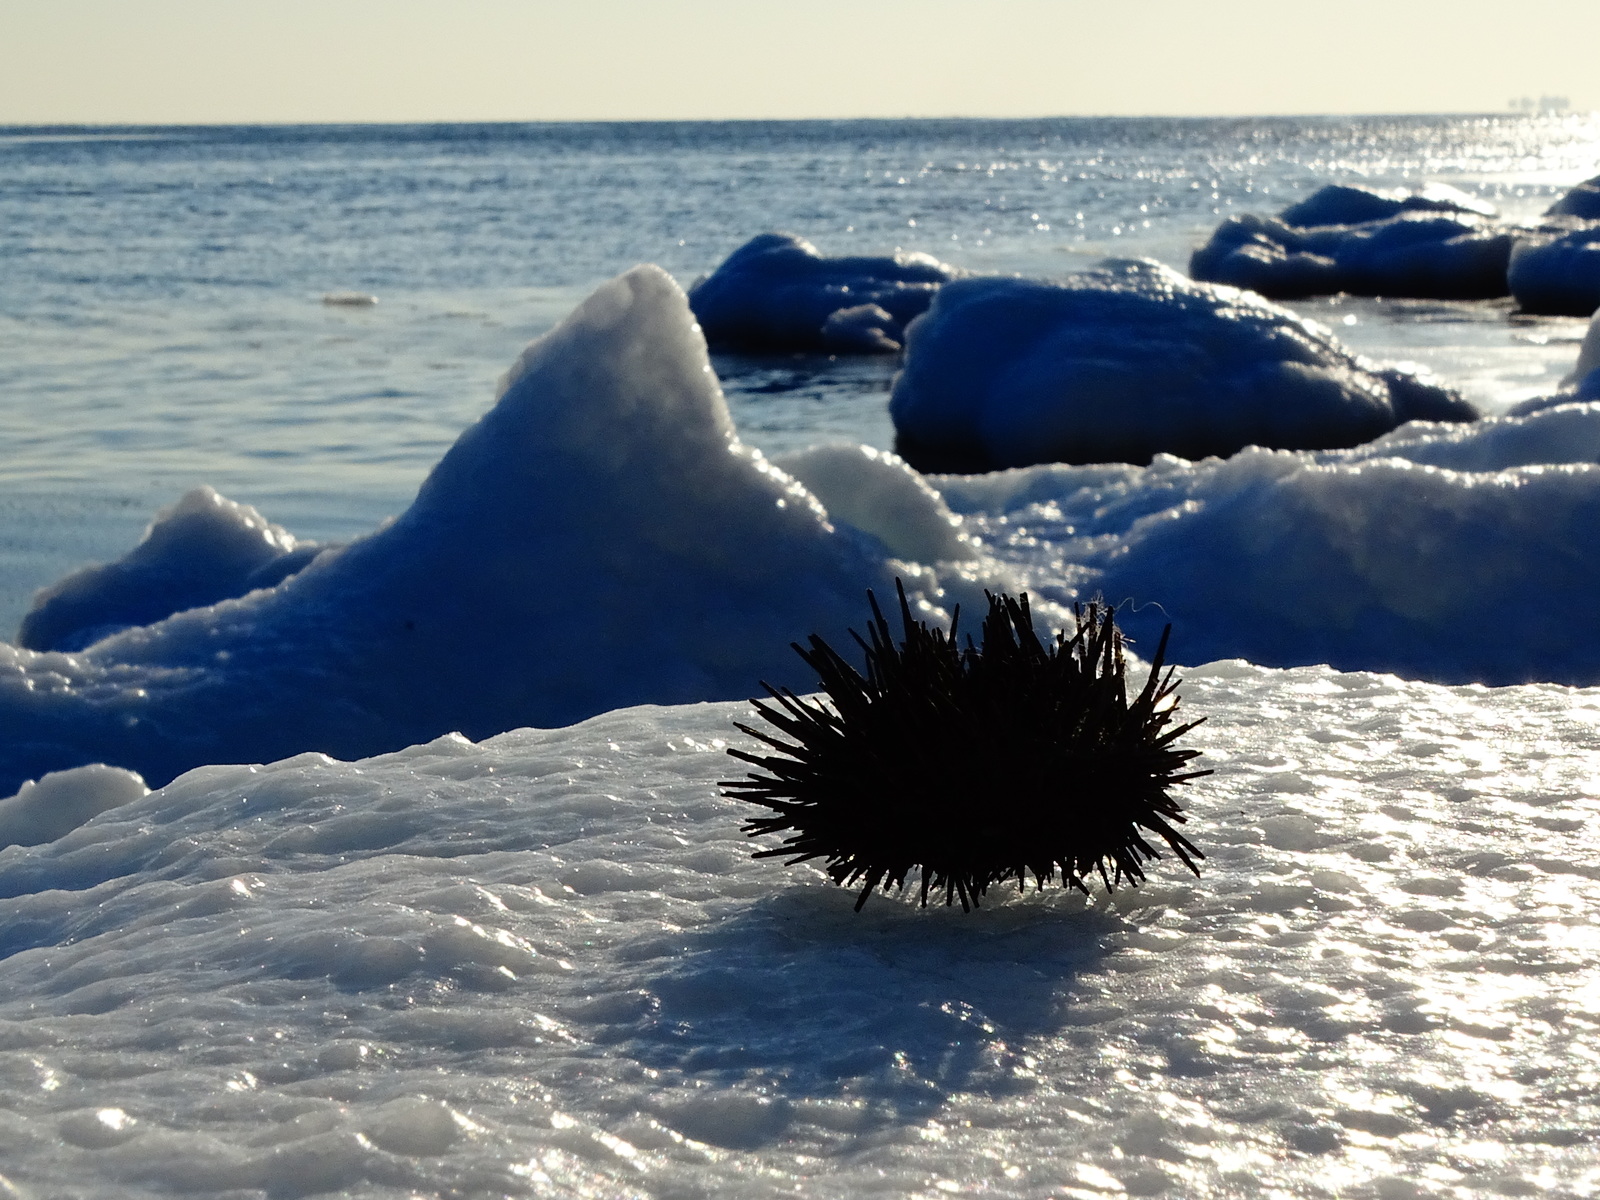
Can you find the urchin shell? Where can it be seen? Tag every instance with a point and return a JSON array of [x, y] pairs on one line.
[[974, 765]]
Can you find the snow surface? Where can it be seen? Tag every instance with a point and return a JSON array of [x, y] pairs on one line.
[[1558, 274], [600, 538], [1127, 361], [546, 965], [779, 292], [1448, 256]]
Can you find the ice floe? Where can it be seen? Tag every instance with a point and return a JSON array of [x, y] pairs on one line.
[[777, 292], [1347, 204], [1128, 361], [1439, 244], [1582, 201], [1557, 271]]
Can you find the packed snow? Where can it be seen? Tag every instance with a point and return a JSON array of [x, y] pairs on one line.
[[1128, 361], [600, 538], [1558, 271], [545, 965], [778, 292]]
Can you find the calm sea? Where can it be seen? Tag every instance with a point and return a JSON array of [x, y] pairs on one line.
[[161, 289]]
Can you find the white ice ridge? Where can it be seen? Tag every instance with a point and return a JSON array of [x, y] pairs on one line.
[[547, 966], [1447, 552], [599, 538]]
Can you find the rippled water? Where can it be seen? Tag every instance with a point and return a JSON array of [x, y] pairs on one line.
[[162, 319]]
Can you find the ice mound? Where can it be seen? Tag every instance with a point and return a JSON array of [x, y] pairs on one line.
[[203, 549], [599, 538], [777, 292], [1558, 272], [1583, 202], [1128, 361], [1451, 553], [63, 800], [880, 494], [1581, 385], [1435, 254], [546, 965], [1344, 204]]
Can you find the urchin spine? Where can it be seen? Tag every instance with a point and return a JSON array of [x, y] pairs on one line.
[[974, 765]]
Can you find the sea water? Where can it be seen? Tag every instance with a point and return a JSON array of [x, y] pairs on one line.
[[162, 305]]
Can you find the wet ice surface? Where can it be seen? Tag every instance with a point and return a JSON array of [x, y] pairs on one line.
[[546, 965]]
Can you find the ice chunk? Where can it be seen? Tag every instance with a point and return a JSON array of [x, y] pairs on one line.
[[203, 549], [778, 292], [1558, 272], [598, 538], [879, 493], [1583, 202], [864, 329], [1588, 353], [1129, 361], [1343, 204], [1440, 255]]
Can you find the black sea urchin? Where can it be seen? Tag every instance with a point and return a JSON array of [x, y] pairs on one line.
[[976, 765]]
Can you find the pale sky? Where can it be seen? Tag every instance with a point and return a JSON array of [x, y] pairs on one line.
[[181, 61]]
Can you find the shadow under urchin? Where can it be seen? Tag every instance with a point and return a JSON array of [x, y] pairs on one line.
[[977, 764]]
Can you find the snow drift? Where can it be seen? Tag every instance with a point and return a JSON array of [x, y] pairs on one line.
[[777, 292], [1439, 244], [599, 538], [1128, 361]]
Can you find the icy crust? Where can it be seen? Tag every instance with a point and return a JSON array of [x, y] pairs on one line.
[[599, 538], [1445, 256], [1558, 272], [1583, 202], [1128, 361], [1451, 553], [547, 966], [778, 292], [203, 549]]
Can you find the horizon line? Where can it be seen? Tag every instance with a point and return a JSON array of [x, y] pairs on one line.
[[815, 120]]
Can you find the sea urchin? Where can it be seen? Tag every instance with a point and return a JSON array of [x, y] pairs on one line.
[[977, 764]]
